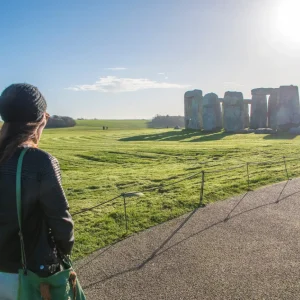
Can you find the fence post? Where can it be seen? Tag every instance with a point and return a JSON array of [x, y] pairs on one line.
[[248, 176], [202, 190], [125, 213], [286, 171]]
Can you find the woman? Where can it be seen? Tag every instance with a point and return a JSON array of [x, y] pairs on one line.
[[46, 223]]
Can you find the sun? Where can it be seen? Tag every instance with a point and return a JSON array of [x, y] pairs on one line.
[[288, 19]]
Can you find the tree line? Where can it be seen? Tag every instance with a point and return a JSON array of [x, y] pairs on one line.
[[157, 122], [166, 121], [60, 122]]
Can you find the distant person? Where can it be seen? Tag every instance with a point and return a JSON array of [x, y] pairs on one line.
[[103, 127], [106, 128], [44, 207]]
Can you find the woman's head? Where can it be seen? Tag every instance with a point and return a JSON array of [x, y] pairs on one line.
[[23, 110]]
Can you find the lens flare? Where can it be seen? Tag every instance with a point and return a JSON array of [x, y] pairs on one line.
[[288, 20]]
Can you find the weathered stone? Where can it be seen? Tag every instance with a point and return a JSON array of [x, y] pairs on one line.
[[246, 101], [211, 112], [265, 131], [245, 131], [272, 109], [294, 130], [249, 130], [288, 114], [261, 91], [259, 112], [246, 115], [233, 112], [193, 109]]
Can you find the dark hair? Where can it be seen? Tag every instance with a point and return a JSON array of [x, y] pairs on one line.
[[13, 135]]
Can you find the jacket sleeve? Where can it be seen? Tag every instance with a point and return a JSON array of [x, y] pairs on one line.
[[55, 206]]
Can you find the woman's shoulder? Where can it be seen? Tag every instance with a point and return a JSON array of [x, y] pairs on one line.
[[39, 153], [40, 157]]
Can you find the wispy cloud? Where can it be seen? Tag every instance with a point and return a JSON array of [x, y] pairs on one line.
[[115, 84], [116, 69], [161, 73]]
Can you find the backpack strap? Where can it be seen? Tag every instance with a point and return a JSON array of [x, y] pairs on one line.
[[19, 207]]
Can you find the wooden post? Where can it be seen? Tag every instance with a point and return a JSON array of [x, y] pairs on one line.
[[248, 177], [202, 190], [125, 214], [286, 171]]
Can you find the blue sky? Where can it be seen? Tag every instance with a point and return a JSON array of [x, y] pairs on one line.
[[136, 58]]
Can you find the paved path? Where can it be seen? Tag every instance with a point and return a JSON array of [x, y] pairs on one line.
[[253, 254]]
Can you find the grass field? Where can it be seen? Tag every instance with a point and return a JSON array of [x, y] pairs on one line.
[[112, 124], [98, 165]]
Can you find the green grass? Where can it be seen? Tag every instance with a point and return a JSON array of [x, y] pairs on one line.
[[112, 124], [97, 165]]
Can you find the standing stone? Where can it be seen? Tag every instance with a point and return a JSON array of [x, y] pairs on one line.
[[233, 112], [193, 109], [211, 113], [288, 107], [261, 91], [272, 109], [246, 115], [259, 112]]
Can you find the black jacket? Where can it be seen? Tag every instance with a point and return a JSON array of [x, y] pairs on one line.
[[44, 206]]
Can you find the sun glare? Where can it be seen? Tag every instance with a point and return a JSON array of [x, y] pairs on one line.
[[288, 20]]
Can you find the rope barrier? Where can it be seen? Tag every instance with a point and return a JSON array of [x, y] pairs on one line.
[[270, 162], [224, 170], [170, 184], [294, 159], [265, 163], [93, 207], [258, 172]]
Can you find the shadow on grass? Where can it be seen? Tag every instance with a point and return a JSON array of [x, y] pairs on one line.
[[207, 137], [280, 136], [189, 135]]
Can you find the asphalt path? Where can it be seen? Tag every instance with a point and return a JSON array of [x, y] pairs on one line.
[[247, 247]]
